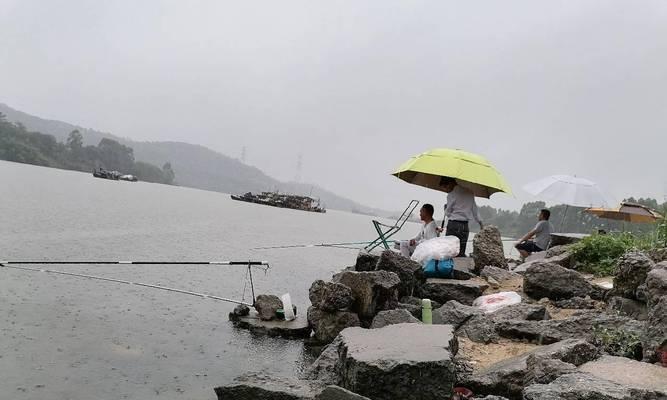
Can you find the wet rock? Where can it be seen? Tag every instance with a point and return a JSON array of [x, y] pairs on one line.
[[267, 305], [521, 311], [366, 261], [579, 303], [499, 274], [454, 313], [580, 326], [543, 369], [392, 317], [330, 296], [487, 249], [373, 291], [654, 339], [403, 361], [325, 367], [631, 272], [264, 386], [338, 393], [241, 310], [544, 279], [327, 325], [508, 377], [656, 284], [628, 307], [409, 272], [295, 329], [630, 373], [582, 386], [443, 290]]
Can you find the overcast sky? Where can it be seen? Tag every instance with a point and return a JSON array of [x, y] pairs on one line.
[[357, 87]]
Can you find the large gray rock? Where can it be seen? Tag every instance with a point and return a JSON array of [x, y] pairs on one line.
[[654, 339], [327, 325], [658, 255], [454, 313], [487, 249], [404, 361], [565, 259], [544, 279], [582, 386], [366, 261], [630, 308], [630, 373], [656, 284], [555, 251], [443, 290], [583, 325], [479, 328], [578, 303], [338, 393], [373, 291], [296, 329], [330, 296], [499, 274], [543, 369], [264, 386], [521, 311], [631, 272], [325, 367], [267, 305], [392, 317], [508, 377], [409, 272]]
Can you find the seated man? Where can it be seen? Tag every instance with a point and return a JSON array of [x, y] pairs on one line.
[[428, 231], [542, 234]]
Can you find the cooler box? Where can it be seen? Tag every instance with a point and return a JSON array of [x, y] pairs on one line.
[[439, 268]]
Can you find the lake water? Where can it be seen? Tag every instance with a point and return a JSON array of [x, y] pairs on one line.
[[64, 337]]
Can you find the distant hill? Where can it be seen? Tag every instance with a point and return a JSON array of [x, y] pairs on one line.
[[195, 166]]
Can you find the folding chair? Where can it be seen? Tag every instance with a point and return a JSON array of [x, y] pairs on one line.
[[385, 234]]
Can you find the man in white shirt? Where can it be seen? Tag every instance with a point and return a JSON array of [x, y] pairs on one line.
[[428, 231], [542, 234], [461, 208]]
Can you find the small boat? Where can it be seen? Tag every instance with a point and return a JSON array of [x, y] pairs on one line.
[[282, 200], [129, 178], [113, 175]]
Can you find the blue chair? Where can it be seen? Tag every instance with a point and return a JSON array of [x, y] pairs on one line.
[[387, 231]]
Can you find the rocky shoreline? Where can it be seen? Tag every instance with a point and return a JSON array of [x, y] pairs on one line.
[[569, 338]]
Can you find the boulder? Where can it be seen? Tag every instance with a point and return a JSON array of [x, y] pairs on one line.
[[366, 261], [295, 329], [583, 325], [267, 305], [630, 308], [325, 367], [454, 313], [443, 290], [565, 259], [582, 386], [656, 284], [462, 275], [241, 310], [415, 311], [643, 376], [392, 317], [508, 377], [654, 339], [264, 386], [403, 361], [373, 291], [543, 279], [487, 249], [499, 274], [327, 325], [409, 272], [338, 393], [543, 369], [521, 311], [658, 255], [631, 272], [554, 251], [479, 328], [330, 296]]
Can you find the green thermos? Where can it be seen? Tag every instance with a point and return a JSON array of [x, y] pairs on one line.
[[427, 314]]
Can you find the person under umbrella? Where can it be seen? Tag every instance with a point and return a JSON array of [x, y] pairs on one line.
[[461, 209]]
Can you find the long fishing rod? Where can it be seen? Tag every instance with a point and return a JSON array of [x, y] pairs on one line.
[[248, 264], [292, 246]]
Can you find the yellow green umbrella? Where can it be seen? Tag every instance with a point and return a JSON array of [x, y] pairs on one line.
[[628, 212], [470, 170]]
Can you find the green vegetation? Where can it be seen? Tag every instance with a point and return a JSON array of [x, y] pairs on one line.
[[598, 254], [617, 342], [20, 145]]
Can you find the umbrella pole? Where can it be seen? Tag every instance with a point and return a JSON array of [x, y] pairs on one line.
[[560, 228]]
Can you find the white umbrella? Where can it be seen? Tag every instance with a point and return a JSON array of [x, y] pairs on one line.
[[568, 190]]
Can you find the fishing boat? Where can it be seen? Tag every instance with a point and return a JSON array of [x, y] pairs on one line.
[[113, 175], [282, 200]]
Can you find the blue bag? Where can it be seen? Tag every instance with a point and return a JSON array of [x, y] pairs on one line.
[[439, 268]]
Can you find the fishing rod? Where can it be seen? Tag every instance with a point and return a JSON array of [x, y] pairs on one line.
[[292, 246], [19, 265]]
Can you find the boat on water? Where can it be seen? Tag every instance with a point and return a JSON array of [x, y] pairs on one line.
[[282, 200], [113, 175]]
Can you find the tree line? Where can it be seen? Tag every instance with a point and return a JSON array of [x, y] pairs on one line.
[[20, 145]]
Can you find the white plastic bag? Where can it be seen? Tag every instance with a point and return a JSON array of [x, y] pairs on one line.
[[287, 307], [439, 248], [494, 302]]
